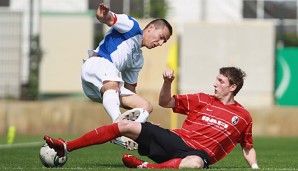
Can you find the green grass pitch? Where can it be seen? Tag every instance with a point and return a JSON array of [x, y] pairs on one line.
[[279, 153]]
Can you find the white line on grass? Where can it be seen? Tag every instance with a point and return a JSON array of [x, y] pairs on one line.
[[30, 144]]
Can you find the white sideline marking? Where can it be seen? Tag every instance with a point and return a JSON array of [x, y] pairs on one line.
[[30, 144]]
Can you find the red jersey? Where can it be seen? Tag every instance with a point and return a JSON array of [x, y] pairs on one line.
[[212, 126]]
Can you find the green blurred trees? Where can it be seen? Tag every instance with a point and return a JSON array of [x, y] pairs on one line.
[[290, 39], [30, 91], [157, 9]]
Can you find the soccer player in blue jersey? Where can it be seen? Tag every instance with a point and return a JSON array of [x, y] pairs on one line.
[[110, 74]]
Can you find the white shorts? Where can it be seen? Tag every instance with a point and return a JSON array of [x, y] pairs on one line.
[[95, 71]]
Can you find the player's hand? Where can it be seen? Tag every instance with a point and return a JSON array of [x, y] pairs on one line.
[[102, 10], [168, 75], [103, 14]]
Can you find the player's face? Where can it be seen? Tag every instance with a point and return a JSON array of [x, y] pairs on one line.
[[222, 87], [154, 37]]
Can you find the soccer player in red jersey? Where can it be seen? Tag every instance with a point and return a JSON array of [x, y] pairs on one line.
[[215, 124]]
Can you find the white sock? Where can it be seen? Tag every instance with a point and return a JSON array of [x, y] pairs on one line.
[[143, 116], [111, 103]]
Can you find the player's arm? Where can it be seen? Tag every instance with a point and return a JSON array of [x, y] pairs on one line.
[[165, 97], [251, 157], [104, 15]]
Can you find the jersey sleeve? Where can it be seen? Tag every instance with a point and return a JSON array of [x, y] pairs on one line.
[[186, 103], [246, 140], [124, 23]]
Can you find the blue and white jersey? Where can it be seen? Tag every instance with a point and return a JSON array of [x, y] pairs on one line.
[[122, 46]]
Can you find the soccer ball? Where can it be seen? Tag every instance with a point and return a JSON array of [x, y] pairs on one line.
[[49, 157]]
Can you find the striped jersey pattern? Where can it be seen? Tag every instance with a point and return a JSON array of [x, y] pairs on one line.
[[122, 46], [212, 126]]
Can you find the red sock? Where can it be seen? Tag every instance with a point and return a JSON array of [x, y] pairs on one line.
[[98, 136], [173, 164]]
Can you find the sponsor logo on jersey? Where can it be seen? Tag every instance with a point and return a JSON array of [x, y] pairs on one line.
[[235, 120], [214, 122]]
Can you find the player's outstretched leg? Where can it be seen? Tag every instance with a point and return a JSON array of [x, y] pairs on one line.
[[125, 142], [133, 162], [58, 145]]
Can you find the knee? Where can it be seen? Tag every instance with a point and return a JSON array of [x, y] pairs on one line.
[[144, 104], [147, 106], [192, 162], [124, 125]]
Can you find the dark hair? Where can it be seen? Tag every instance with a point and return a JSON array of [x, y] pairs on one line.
[[161, 23], [235, 76]]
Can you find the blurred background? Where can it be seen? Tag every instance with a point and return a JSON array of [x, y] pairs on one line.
[[43, 43]]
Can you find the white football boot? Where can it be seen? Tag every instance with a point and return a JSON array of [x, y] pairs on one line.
[[132, 114], [125, 142]]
